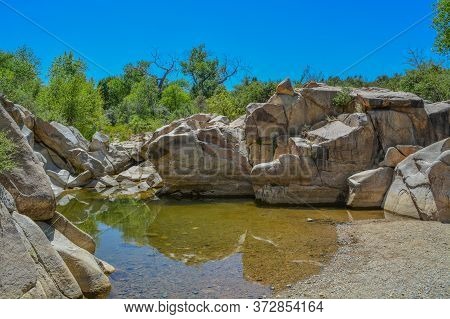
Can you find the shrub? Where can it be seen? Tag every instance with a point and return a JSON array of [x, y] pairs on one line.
[[342, 100], [7, 150]]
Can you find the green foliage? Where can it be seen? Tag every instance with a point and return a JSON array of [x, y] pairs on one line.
[[206, 73], [429, 81], [141, 101], [342, 100], [19, 79], [176, 101], [113, 90], [70, 98], [223, 103], [234, 103], [7, 150], [441, 23], [252, 91]]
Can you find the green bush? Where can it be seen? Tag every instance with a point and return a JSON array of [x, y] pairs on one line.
[[342, 100], [7, 151]]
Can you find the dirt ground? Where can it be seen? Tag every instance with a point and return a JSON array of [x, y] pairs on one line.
[[384, 259]]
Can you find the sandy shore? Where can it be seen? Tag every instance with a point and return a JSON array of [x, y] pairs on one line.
[[384, 259]]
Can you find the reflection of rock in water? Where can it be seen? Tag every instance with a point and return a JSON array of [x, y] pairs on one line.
[[277, 245]]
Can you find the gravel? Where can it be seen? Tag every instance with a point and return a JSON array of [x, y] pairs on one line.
[[384, 259]]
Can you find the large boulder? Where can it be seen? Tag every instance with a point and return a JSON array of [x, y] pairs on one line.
[[72, 232], [367, 188], [421, 184], [439, 115], [399, 118], [61, 139], [27, 182], [48, 259], [197, 156], [285, 115], [84, 267], [317, 166]]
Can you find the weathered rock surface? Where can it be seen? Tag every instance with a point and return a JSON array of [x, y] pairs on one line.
[[395, 155], [27, 182], [90, 277], [52, 263], [195, 156], [30, 267], [72, 232], [285, 87], [421, 184], [284, 115], [368, 188], [317, 167], [439, 115]]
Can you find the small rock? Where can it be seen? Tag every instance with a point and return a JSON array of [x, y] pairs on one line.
[[309, 220], [285, 87]]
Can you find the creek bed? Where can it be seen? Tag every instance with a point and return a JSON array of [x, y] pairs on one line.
[[227, 248]]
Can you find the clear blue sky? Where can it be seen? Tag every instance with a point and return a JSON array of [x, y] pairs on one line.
[[274, 38]]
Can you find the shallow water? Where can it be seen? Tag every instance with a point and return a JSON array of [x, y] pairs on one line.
[[206, 248]]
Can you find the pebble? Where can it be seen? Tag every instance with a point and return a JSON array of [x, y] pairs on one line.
[[309, 220]]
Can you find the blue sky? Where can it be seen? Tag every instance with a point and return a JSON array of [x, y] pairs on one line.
[[275, 39]]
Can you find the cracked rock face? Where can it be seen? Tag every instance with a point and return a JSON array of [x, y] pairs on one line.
[[201, 156], [27, 182], [317, 166], [421, 184]]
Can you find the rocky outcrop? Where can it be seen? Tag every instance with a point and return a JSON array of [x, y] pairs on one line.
[[30, 267], [302, 151], [84, 267], [284, 115], [200, 156], [367, 189], [316, 168], [439, 115], [27, 182], [421, 184], [399, 118]]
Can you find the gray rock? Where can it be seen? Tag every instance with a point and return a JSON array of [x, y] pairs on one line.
[[73, 233], [368, 188], [27, 182], [80, 180], [91, 279], [99, 142], [421, 183], [49, 259], [439, 115]]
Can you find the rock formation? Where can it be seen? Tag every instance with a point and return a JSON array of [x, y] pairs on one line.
[[201, 156], [421, 184]]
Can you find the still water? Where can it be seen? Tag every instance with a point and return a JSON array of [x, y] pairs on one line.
[[206, 248]]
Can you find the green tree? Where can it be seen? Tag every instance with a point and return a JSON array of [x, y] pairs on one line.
[[7, 150], [19, 79], [428, 80], [251, 90], [207, 74], [177, 101], [141, 102], [223, 103], [441, 23], [70, 98]]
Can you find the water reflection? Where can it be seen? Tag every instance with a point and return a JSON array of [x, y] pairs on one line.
[[209, 248]]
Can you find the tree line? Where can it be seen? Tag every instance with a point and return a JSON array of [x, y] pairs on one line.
[[148, 94]]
